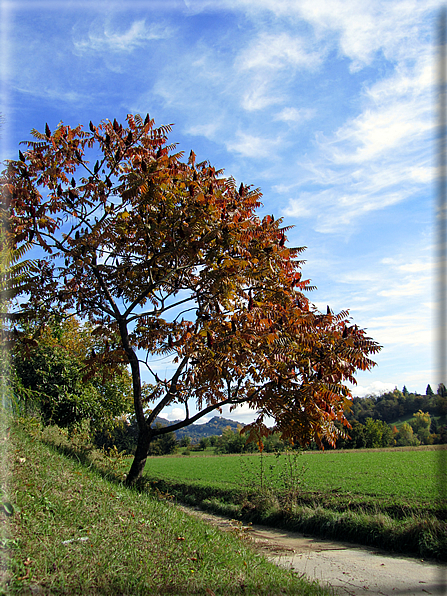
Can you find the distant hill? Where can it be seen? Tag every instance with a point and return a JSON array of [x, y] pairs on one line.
[[215, 426]]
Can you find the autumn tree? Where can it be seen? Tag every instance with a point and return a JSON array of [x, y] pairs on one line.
[[172, 258]]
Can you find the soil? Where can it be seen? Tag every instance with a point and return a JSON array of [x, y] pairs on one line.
[[350, 569]]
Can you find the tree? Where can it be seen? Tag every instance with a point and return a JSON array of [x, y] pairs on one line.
[[421, 425], [373, 432], [163, 444], [185, 441], [172, 257], [233, 442], [358, 436], [50, 365], [387, 435], [429, 390], [405, 437], [14, 277], [204, 443]]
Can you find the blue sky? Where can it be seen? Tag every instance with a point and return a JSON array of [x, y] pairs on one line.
[[328, 106]]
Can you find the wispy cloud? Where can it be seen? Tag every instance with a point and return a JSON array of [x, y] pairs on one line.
[[401, 330], [378, 158], [253, 146], [359, 29], [397, 113], [295, 115], [276, 52], [103, 37]]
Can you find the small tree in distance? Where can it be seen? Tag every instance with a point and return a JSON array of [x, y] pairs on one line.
[[171, 258]]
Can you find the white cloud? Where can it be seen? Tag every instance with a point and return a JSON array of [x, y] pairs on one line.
[[207, 130], [412, 267], [410, 288], [106, 39], [378, 132], [278, 51], [335, 209], [422, 174], [243, 414], [359, 29], [299, 207], [401, 330], [259, 95], [260, 65], [373, 388], [54, 93], [377, 158], [407, 276], [397, 112], [296, 115], [174, 414], [253, 146], [203, 420]]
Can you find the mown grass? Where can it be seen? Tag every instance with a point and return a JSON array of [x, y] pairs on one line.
[[388, 499], [402, 474], [75, 532]]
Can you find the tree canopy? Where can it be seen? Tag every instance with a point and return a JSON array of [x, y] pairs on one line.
[[170, 257]]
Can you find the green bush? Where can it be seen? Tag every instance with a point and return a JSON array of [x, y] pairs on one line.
[[56, 376], [234, 442]]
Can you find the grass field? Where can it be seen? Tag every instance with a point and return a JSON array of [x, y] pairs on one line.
[[415, 475]]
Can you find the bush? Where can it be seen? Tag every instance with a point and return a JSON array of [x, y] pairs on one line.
[[233, 442], [50, 375], [405, 437]]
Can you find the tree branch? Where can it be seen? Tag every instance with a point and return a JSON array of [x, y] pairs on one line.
[[145, 293], [106, 290], [167, 398], [188, 421]]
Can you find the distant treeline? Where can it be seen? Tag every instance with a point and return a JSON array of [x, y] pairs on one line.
[[396, 418], [391, 406]]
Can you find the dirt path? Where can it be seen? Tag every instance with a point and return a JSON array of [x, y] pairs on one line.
[[349, 569]]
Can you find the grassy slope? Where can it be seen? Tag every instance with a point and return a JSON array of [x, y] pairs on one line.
[[131, 543]]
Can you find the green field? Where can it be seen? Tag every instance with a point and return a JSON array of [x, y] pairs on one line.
[[409, 474]]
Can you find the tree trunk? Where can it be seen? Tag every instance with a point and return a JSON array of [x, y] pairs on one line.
[[144, 431], [139, 461]]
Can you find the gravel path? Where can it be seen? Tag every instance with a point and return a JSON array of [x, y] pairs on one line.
[[350, 569]]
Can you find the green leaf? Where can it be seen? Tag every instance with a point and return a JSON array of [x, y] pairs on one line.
[[8, 508]]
